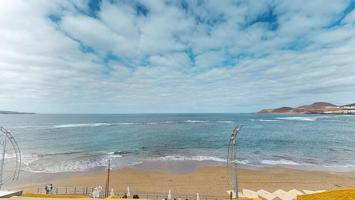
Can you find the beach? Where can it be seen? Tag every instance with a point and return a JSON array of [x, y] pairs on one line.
[[208, 181]]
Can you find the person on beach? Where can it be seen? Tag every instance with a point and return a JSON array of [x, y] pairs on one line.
[[46, 188], [51, 188]]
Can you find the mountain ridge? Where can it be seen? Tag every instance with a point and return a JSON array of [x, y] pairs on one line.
[[13, 112], [315, 108]]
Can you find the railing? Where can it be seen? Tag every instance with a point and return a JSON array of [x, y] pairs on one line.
[[68, 190], [160, 196], [80, 190]]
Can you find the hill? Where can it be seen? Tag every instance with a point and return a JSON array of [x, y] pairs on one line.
[[315, 108], [12, 112]]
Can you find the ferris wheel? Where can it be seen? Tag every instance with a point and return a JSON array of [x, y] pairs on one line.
[[232, 161], [10, 157]]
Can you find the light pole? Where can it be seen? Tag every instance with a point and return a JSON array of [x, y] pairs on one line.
[[232, 161]]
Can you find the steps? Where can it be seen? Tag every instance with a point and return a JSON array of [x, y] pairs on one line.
[[276, 195]]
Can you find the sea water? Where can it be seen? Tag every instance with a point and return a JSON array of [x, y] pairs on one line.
[[52, 143]]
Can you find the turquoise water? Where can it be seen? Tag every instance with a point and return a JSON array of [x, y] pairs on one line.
[[63, 143]]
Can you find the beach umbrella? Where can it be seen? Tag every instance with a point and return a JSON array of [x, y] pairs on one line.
[[128, 193], [169, 195], [112, 193], [197, 196]]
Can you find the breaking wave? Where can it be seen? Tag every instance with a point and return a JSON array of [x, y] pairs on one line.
[[196, 121], [190, 158], [81, 125], [225, 121], [56, 163], [197, 158], [302, 118], [103, 124], [279, 162], [266, 120]]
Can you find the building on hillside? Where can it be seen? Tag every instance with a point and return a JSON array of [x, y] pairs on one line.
[[348, 109]]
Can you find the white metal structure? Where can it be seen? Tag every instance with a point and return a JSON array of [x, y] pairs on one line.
[[232, 161], [8, 145]]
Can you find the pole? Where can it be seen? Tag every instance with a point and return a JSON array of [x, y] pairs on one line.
[[107, 188], [2, 162], [236, 131], [232, 160], [236, 167]]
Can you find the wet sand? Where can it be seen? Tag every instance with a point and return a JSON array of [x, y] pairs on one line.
[[212, 180]]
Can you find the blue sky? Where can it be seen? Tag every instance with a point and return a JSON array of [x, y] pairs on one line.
[[175, 56]]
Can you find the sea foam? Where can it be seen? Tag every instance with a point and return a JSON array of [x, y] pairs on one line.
[[81, 125], [279, 162], [189, 158], [301, 118], [196, 121]]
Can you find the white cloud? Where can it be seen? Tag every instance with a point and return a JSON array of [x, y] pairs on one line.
[[176, 60], [210, 59]]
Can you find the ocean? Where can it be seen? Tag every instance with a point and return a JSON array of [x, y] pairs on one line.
[[52, 143]]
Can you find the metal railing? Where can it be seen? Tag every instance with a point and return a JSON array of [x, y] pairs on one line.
[[161, 196], [79, 190], [82, 190]]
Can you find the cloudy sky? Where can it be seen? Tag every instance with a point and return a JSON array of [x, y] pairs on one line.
[[174, 56]]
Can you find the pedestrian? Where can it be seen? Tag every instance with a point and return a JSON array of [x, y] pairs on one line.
[[51, 188], [46, 188], [125, 196]]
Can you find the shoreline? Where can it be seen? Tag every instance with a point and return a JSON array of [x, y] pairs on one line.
[[192, 177]]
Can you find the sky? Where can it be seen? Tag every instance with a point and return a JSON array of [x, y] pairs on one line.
[[178, 56]]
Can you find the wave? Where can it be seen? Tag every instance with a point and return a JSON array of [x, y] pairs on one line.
[[70, 165], [195, 121], [32, 126], [190, 158], [225, 121], [103, 124], [339, 166], [279, 162], [267, 120], [302, 118], [197, 158], [91, 125], [84, 162], [77, 163], [167, 122], [28, 159], [115, 154], [125, 123], [67, 126], [81, 125], [152, 123], [119, 124], [243, 162]]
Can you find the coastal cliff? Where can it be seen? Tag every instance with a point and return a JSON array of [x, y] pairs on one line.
[[315, 108]]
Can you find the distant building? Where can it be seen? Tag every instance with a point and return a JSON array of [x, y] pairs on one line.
[[348, 109]]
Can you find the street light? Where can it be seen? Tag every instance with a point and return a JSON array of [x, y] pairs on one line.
[[232, 162]]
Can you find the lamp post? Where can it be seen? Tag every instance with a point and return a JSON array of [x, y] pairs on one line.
[[107, 186], [232, 162]]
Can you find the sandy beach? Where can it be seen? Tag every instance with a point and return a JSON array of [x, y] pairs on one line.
[[211, 181]]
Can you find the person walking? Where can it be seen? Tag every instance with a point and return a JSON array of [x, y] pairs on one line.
[[50, 188], [46, 188]]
